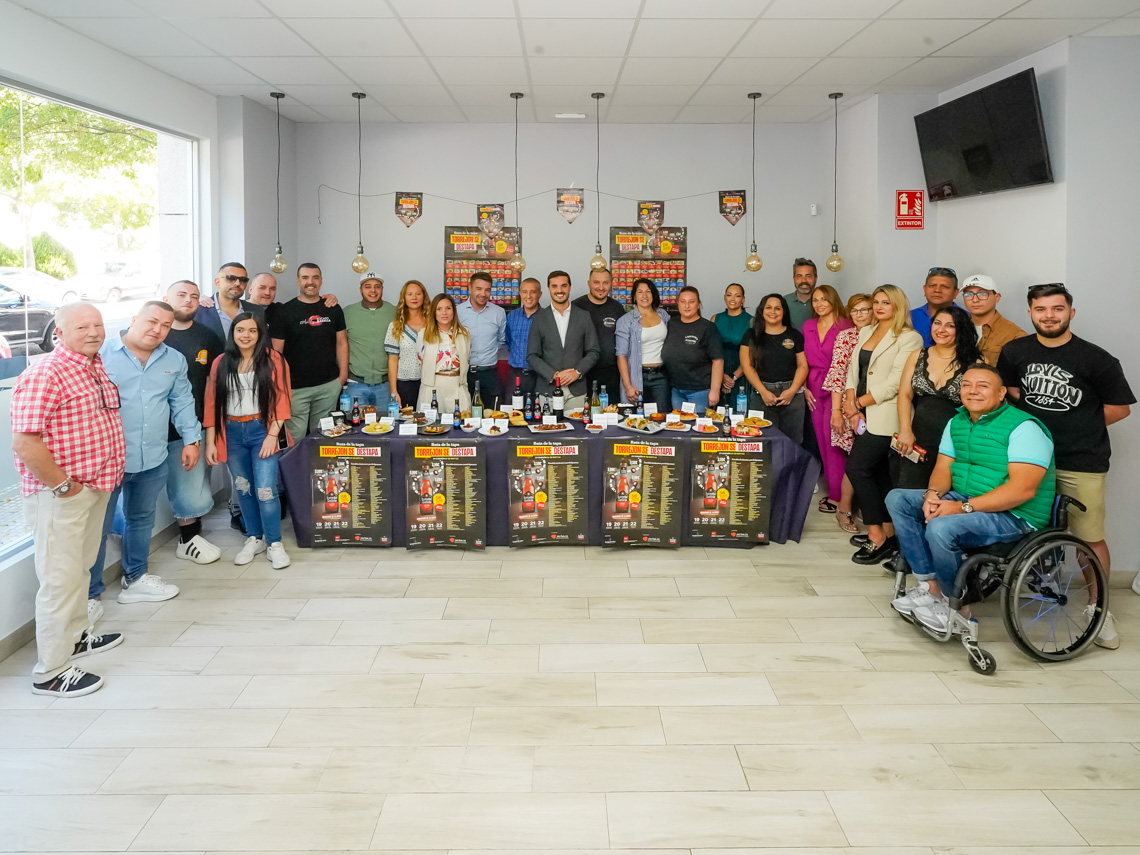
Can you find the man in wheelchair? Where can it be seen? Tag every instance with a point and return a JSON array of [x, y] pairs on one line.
[[993, 482]]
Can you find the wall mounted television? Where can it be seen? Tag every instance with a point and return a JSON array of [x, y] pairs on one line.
[[985, 142]]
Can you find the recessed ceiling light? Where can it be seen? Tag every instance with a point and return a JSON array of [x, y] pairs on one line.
[[569, 115]]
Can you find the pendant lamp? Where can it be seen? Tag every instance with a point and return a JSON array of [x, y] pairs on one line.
[[753, 262], [360, 263], [278, 264], [834, 261], [598, 262], [518, 263]]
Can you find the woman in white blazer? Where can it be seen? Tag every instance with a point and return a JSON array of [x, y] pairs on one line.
[[870, 401], [445, 351]]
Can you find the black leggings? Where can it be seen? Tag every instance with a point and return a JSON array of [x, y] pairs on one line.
[[873, 470]]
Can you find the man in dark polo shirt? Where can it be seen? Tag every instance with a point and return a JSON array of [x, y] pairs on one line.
[[312, 338], [605, 312]]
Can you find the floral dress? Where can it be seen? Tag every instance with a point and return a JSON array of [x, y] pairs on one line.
[[836, 380]]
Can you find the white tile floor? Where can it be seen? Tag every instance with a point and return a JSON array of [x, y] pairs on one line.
[[568, 700]]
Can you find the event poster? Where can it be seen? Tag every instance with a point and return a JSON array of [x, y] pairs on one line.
[[491, 219], [409, 207], [650, 215], [547, 486], [730, 500], [446, 494], [350, 489], [732, 205], [643, 492], [569, 203]]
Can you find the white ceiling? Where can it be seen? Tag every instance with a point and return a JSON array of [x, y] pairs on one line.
[[656, 60]]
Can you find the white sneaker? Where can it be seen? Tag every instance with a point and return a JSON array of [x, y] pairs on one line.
[[147, 589], [1108, 639], [277, 556], [935, 616], [915, 598], [94, 612], [199, 550], [253, 546]]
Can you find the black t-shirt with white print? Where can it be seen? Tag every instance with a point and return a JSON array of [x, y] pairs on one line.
[[1067, 388]]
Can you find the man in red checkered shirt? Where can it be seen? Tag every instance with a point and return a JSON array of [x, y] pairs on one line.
[[70, 451]]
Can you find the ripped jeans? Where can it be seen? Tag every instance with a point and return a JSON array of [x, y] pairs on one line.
[[255, 479]]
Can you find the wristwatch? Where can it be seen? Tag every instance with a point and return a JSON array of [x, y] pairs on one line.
[[967, 508], [63, 489]]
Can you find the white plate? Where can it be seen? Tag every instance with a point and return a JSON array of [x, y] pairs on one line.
[[486, 431], [682, 429], [377, 429], [653, 429], [561, 427]]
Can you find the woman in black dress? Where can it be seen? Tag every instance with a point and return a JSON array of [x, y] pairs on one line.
[[930, 391]]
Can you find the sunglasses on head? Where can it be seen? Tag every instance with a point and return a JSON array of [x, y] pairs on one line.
[[942, 271]]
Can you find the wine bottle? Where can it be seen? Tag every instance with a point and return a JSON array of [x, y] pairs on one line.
[[517, 397], [559, 397], [477, 403], [595, 401]]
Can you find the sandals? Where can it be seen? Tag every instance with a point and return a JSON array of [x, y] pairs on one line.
[[826, 506], [848, 526]]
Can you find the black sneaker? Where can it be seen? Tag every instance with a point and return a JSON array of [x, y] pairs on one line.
[[870, 554], [72, 683], [95, 643], [236, 524]]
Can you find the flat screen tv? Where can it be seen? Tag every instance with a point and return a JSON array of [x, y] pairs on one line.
[[985, 142]]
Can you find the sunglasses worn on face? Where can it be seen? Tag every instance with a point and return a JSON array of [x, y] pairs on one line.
[[229, 277]]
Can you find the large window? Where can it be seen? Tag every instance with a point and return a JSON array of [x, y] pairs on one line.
[[91, 208]]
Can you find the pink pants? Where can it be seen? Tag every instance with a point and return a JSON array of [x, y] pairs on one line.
[[834, 458]]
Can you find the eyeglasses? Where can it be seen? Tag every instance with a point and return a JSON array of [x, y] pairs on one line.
[[977, 295], [861, 311], [108, 398], [942, 271], [229, 277]]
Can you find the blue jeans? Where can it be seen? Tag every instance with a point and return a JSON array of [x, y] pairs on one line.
[[189, 492], [700, 397], [377, 395], [260, 510], [934, 549], [140, 492]]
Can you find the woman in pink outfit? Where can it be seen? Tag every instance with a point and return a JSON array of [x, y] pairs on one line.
[[829, 318]]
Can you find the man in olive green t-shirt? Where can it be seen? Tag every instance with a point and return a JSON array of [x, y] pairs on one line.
[[367, 323]]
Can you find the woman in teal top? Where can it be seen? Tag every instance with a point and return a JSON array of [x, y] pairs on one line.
[[732, 324]]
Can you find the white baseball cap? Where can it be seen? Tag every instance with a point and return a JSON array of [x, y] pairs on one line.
[[980, 280], [371, 275]]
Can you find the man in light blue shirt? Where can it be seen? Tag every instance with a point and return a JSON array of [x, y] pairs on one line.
[[487, 325], [154, 392]]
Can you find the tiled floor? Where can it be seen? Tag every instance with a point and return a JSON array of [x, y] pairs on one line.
[[568, 700]]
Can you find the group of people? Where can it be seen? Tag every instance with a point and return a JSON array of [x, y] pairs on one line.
[[951, 422]]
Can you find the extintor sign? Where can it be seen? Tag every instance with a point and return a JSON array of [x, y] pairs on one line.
[[409, 207], [908, 209]]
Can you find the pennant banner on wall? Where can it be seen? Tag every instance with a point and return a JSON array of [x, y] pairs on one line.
[[732, 205], [569, 203], [650, 215], [491, 220], [409, 207]]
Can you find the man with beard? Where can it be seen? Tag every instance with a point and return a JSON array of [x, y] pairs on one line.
[[799, 301], [605, 312], [262, 289], [1077, 390], [940, 290], [229, 285], [189, 489]]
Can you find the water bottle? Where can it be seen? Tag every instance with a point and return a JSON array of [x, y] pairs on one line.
[[604, 397], [345, 400], [393, 410], [640, 405], [741, 400]]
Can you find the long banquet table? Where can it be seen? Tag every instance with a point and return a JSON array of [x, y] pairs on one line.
[[793, 473]]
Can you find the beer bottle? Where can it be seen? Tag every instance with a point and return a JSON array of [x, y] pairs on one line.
[[355, 412]]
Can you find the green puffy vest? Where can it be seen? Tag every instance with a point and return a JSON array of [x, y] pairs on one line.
[[981, 460]]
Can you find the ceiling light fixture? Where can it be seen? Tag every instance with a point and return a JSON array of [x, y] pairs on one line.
[[278, 264], [569, 115], [598, 262], [518, 263], [753, 262], [360, 263], [834, 261]]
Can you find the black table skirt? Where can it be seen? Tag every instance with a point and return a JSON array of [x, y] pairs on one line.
[[792, 477]]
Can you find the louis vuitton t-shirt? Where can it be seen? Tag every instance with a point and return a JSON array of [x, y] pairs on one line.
[[1067, 388]]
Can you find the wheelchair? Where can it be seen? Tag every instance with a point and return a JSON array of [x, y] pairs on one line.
[[1045, 580]]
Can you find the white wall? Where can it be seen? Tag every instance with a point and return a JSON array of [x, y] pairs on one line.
[[856, 197], [1102, 125], [474, 163], [1019, 236]]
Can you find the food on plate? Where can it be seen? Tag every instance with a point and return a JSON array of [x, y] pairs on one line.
[[366, 409], [517, 418], [464, 414], [706, 429], [494, 414], [406, 411], [657, 417], [434, 429], [377, 427], [494, 430], [555, 426], [577, 414], [638, 423], [714, 415], [683, 416], [595, 428], [612, 408], [676, 426], [337, 430], [755, 421], [742, 429]]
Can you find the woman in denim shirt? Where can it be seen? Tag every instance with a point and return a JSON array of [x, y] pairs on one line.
[[639, 333]]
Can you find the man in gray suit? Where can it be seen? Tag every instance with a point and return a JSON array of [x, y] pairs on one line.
[[563, 344]]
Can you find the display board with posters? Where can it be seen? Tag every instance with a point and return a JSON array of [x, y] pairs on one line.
[[467, 249], [659, 257], [446, 493], [351, 483], [730, 491], [643, 492], [546, 480]]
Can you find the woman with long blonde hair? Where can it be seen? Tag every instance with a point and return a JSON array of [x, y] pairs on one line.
[[444, 349], [401, 345], [871, 408]]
